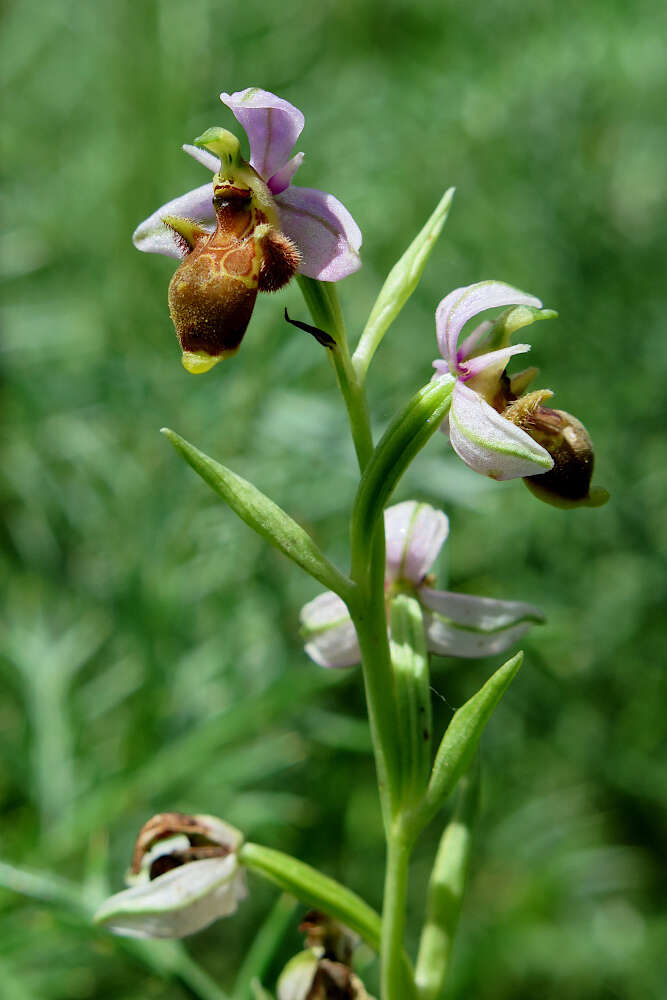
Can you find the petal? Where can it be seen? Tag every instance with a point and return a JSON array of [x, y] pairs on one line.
[[498, 359], [415, 533], [463, 303], [271, 124], [283, 177], [331, 639], [324, 231], [202, 156], [152, 236], [473, 339], [489, 443], [461, 625], [178, 903]]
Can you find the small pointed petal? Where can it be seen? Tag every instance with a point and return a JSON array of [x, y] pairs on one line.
[[283, 177], [462, 625], [202, 156], [271, 124], [496, 359], [324, 231], [463, 303], [415, 533], [152, 236], [490, 444], [178, 903], [331, 639]]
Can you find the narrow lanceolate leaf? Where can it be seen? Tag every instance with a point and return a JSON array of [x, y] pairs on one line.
[[314, 889], [263, 516], [445, 891], [402, 441], [413, 695], [400, 284], [463, 733]]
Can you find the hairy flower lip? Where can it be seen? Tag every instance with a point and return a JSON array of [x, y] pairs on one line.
[[455, 624]]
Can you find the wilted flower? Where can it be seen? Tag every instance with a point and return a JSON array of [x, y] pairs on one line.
[[185, 874], [455, 624], [248, 230], [322, 971]]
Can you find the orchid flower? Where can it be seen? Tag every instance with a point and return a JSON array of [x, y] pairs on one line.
[[455, 624], [185, 874], [480, 423], [326, 235], [248, 231]]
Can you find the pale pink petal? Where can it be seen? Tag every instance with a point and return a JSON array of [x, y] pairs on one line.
[[178, 903], [446, 639], [271, 124], [462, 625], [499, 359], [489, 443], [202, 156], [152, 236], [324, 231], [415, 533], [331, 639], [283, 177], [463, 303], [484, 613]]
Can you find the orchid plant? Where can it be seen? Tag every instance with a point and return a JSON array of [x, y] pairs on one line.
[[251, 230]]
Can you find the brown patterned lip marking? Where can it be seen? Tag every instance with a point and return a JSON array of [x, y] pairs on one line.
[[240, 261], [168, 825]]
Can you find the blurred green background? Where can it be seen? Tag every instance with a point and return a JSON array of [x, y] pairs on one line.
[[149, 649]]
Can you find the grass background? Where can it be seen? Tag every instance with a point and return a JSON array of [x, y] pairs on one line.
[[149, 652]]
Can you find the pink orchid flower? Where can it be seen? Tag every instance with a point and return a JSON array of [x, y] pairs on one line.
[[455, 624], [484, 436], [323, 230]]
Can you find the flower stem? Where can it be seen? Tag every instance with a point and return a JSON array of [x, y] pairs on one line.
[[322, 301], [393, 979], [367, 608]]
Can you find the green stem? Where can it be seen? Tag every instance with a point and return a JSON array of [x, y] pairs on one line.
[[393, 979], [446, 889], [322, 301], [367, 609]]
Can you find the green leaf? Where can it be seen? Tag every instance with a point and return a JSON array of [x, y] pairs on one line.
[[263, 516], [463, 733], [445, 891], [314, 889], [400, 284], [402, 441]]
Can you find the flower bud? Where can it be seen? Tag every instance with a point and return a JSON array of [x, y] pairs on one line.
[[184, 875]]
